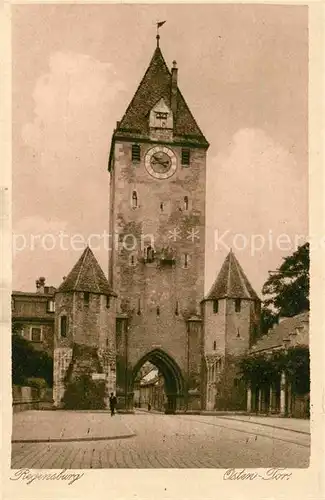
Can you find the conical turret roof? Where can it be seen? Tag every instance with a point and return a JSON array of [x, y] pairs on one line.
[[231, 282], [86, 276]]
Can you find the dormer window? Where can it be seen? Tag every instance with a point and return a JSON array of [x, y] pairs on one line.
[[185, 157], [136, 153]]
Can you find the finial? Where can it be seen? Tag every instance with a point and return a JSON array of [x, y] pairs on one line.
[[174, 64], [159, 25]]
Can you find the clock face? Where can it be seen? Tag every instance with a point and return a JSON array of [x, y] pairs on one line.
[[160, 162]]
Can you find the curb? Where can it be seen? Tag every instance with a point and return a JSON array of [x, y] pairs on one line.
[[265, 425], [69, 440]]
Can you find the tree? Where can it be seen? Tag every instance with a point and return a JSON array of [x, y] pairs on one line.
[[287, 289], [27, 362]]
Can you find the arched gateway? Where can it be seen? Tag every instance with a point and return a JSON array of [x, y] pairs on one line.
[[173, 378]]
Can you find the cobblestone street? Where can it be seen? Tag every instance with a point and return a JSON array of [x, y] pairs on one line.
[[157, 441]]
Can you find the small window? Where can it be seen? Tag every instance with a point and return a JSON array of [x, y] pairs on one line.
[[161, 115], [238, 334], [86, 298], [51, 306], [63, 326], [237, 305], [150, 254], [134, 199], [108, 301], [186, 260], [136, 155], [185, 203], [176, 309], [185, 156], [158, 311], [36, 334], [215, 306], [161, 207], [214, 345]]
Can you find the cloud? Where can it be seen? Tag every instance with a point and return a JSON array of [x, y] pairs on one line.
[[77, 90], [255, 188]]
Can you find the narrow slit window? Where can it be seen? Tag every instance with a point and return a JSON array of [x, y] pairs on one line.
[[134, 200], [63, 326], [136, 153], [158, 311], [185, 203], [214, 345], [215, 306], [150, 254], [86, 298], [237, 305], [108, 301], [185, 260], [161, 207], [185, 157]]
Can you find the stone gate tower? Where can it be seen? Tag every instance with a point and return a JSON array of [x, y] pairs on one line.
[[157, 169]]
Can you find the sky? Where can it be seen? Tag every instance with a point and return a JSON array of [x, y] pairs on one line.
[[243, 70]]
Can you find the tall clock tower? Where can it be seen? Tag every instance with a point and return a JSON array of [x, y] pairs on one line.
[[157, 169]]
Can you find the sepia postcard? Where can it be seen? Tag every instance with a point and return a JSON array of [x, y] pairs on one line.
[[161, 266]]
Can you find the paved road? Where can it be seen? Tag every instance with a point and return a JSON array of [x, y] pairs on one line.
[[174, 441]]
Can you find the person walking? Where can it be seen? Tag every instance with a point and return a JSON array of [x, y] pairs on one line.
[[112, 403]]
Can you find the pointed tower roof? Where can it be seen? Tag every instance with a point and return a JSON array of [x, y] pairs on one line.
[[232, 282], [86, 276], [157, 84]]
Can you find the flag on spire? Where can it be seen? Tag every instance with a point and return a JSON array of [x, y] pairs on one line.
[[160, 24]]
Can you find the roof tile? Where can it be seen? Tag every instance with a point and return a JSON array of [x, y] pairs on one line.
[[86, 276], [231, 282]]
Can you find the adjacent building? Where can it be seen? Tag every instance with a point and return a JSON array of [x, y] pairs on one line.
[[33, 315], [278, 396]]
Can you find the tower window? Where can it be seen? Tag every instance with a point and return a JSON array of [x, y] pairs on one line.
[[185, 156], [214, 345], [86, 298], [215, 306], [136, 153], [237, 305], [186, 260], [158, 311], [108, 301], [63, 326], [150, 254], [161, 207], [185, 202], [134, 199]]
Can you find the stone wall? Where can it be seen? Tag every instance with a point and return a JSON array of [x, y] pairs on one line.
[[30, 398], [157, 297]]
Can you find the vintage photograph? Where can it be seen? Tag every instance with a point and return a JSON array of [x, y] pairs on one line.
[[160, 301]]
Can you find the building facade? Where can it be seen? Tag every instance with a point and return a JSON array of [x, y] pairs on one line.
[[33, 315], [278, 396], [157, 169]]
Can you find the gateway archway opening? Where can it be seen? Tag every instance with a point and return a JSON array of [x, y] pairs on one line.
[[157, 381]]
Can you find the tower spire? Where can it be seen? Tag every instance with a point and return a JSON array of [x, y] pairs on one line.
[[159, 25]]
